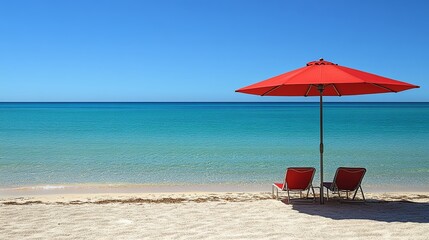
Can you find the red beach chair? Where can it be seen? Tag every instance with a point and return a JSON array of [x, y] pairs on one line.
[[296, 179], [347, 180]]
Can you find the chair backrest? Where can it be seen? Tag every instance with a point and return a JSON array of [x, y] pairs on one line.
[[348, 179], [299, 178]]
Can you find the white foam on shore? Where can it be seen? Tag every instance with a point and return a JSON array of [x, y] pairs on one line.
[[48, 187], [43, 187], [93, 188], [131, 188]]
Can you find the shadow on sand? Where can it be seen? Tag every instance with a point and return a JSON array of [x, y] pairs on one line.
[[384, 211]]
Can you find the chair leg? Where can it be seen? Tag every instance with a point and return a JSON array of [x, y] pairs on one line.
[[354, 195], [361, 191], [288, 197], [363, 196], [272, 191], [327, 194], [314, 195], [308, 191], [347, 195]]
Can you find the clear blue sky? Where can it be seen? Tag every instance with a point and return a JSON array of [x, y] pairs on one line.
[[201, 50]]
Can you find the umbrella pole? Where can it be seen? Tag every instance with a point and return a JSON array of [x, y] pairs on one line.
[[321, 88]]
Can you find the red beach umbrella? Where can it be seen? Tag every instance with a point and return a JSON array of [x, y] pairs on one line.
[[323, 78]]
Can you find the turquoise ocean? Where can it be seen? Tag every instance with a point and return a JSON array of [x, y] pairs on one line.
[[62, 144]]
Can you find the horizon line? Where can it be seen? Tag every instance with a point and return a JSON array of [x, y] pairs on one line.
[[211, 102]]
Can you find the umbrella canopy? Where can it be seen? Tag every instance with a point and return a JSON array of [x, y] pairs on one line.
[[336, 80], [323, 78]]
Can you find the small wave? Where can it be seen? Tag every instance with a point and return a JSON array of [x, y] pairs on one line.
[[48, 187]]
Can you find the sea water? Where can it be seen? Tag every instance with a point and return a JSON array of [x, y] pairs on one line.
[[60, 144]]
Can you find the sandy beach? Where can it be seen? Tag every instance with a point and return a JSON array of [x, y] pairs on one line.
[[202, 215], [130, 119]]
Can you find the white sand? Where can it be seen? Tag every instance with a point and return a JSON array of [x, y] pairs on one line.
[[211, 216]]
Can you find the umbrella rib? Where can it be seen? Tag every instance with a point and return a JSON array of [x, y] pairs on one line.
[[272, 89], [374, 84], [336, 90], [383, 87], [290, 78], [308, 90]]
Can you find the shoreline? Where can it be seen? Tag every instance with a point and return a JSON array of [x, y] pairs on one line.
[[371, 197], [130, 188], [197, 197]]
